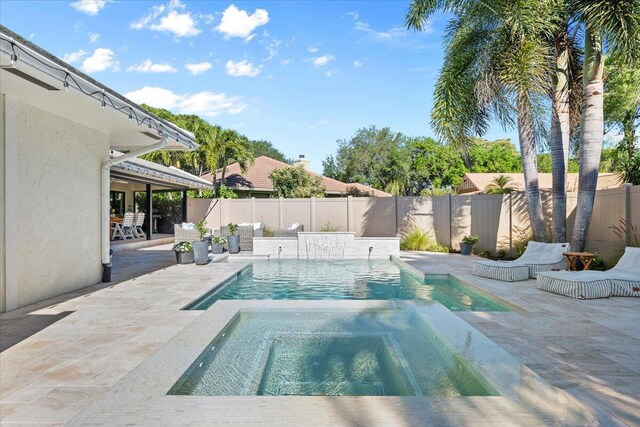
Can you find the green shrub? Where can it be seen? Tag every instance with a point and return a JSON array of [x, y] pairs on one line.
[[598, 264], [183, 247], [417, 239], [328, 227], [471, 239]]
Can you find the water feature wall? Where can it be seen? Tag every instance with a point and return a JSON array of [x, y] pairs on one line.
[[327, 245]]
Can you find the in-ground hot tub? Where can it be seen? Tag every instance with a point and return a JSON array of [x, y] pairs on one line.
[[376, 352]]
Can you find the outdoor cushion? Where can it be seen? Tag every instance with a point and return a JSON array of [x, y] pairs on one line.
[[625, 276], [188, 226], [575, 284], [501, 270], [537, 257], [293, 226]]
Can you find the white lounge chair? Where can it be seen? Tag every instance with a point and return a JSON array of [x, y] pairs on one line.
[[127, 226], [536, 258], [623, 280], [138, 231]]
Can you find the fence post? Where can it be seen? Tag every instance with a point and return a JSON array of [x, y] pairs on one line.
[[627, 213], [510, 222], [253, 210], [349, 212], [395, 214], [312, 214], [222, 215], [280, 214], [450, 221]]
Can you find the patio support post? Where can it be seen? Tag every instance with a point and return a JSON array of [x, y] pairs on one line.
[[105, 172], [149, 206], [184, 205], [148, 203]]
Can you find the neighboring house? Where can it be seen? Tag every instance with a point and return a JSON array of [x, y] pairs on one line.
[[473, 183], [59, 173], [255, 181]]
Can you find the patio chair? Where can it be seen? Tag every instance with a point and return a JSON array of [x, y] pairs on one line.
[[186, 232], [536, 258], [623, 280], [291, 231], [138, 231], [246, 231], [126, 228]]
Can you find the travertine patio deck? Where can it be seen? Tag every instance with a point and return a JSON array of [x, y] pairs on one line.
[[89, 340]]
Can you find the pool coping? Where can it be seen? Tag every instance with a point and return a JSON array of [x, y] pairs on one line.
[[141, 396]]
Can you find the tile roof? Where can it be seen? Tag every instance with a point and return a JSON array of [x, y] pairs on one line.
[[477, 182], [257, 178]]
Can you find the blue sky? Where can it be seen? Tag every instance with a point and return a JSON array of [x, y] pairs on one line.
[[300, 74]]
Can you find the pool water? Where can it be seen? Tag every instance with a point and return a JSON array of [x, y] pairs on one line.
[[352, 280], [377, 352]]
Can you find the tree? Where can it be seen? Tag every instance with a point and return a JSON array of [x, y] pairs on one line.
[[495, 66], [266, 148], [434, 165], [228, 147], [615, 24], [501, 184], [295, 182], [493, 156], [375, 157], [545, 164], [622, 114]]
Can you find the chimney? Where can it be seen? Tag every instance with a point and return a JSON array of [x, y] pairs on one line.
[[306, 164]]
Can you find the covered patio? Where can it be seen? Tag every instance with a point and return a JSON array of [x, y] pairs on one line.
[[156, 191]]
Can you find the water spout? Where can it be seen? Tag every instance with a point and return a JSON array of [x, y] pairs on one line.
[[279, 250], [370, 250]]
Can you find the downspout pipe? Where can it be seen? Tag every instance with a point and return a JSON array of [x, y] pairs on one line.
[[105, 207]]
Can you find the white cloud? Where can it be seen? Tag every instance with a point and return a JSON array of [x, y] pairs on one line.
[[90, 7], [272, 48], [167, 18], [93, 37], [241, 68], [238, 23], [147, 66], [322, 122], [323, 60], [329, 73], [198, 68], [354, 15], [286, 61], [397, 36], [74, 56], [101, 59], [312, 49], [357, 63], [202, 103]]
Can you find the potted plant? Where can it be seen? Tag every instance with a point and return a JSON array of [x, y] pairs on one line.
[[233, 240], [467, 244], [217, 244], [184, 252], [201, 247]]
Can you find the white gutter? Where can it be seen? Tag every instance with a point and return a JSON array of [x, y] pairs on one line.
[[106, 186]]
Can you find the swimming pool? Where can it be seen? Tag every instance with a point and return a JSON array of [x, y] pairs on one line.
[[377, 352], [345, 279]]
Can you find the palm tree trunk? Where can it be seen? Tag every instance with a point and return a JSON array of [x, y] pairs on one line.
[[560, 134], [592, 137], [526, 135]]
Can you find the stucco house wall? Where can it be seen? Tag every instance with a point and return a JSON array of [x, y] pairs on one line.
[[55, 215]]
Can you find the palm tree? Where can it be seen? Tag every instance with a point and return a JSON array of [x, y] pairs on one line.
[[501, 184], [227, 147], [495, 65], [616, 24]]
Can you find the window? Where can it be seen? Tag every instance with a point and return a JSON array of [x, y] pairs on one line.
[[117, 203]]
